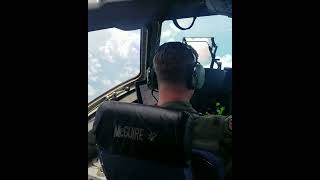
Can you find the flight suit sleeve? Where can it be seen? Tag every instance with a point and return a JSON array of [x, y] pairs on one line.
[[213, 133]]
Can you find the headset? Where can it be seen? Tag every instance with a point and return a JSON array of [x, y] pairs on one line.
[[194, 81]]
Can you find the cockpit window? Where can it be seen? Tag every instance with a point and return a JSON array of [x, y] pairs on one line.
[[218, 27], [113, 58]]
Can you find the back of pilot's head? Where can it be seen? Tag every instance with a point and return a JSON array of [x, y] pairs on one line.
[[173, 63]]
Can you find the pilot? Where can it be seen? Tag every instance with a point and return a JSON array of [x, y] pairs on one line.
[[173, 64]]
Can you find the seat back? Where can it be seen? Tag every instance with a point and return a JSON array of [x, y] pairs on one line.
[[143, 142]]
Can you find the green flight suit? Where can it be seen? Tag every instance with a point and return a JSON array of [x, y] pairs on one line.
[[210, 132]]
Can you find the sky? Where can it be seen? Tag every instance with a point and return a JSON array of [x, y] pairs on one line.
[[114, 55]]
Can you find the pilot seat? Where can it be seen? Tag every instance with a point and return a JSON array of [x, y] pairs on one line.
[[143, 142]]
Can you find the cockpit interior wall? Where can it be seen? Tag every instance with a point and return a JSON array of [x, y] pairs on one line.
[[216, 89], [138, 13]]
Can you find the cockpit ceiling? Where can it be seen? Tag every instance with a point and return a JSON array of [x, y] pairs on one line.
[[134, 14]]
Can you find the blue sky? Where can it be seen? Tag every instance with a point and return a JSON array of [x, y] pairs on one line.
[[219, 27], [113, 55]]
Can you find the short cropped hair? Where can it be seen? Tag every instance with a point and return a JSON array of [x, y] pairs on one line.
[[173, 62]]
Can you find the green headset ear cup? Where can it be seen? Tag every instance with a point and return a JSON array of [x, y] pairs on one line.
[[198, 77], [151, 79]]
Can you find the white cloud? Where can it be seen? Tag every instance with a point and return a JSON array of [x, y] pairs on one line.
[[129, 72], [120, 45], [107, 50], [166, 33], [93, 78], [91, 90], [226, 61], [94, 67], [205, 56], [106, 82]]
